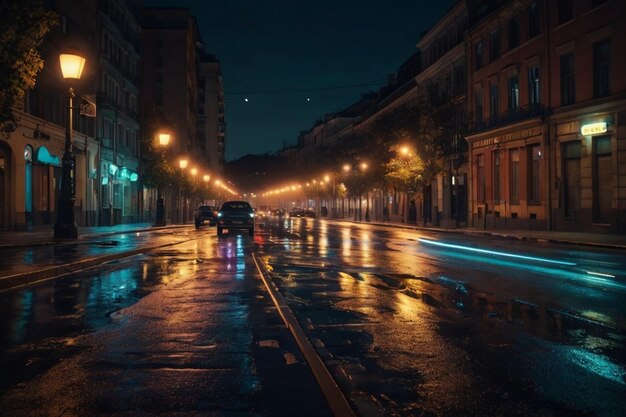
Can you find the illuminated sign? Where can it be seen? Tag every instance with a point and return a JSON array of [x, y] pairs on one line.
[[593, 129]]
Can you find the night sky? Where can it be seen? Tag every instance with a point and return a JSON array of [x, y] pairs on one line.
[[287, 63]]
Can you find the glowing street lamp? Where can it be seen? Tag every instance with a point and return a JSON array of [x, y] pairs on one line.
[[164, 140], [182, 164], [65, 226]]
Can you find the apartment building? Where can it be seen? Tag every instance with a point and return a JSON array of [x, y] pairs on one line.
[[211, 124], [546, 88], [117, 120]]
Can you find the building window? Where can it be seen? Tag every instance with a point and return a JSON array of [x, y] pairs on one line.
[[493, 101], [534, 87], [601, 65], [566, 10], [494, 52], [534, 183], [480, 178], [478, 106], [514, 32], [479, 54], [513, 83], [568, 81], [534, 22], [497, 176], [514, 176], [602, 179]]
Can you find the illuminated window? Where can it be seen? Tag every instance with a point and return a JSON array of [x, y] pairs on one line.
[[513, 83], [534, 87]]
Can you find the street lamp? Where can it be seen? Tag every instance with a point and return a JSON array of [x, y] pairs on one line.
[[182, 163], [65, 226], [164, 140], [364, 167]]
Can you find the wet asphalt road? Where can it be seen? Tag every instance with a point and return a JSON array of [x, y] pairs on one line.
[[407, 323]]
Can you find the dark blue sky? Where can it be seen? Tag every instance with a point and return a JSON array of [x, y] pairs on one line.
[[296, 60]]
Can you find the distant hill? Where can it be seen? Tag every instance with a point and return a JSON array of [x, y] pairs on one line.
[[255, 173]]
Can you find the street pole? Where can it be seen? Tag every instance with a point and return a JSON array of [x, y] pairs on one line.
[[65, 226]]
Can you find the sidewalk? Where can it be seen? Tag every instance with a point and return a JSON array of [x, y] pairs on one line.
[[44, 235], [600, 240]]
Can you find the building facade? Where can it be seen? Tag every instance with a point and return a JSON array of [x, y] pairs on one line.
[[547, 94], [117, 120], [211, 124], [170, 62], [30, 156]]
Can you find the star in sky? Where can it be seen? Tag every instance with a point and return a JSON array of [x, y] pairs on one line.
[[287, 63]]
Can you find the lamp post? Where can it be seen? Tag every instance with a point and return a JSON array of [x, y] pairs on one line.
[[194, 173], [164, 140], [65, 226], [182, 163], [367, 197]]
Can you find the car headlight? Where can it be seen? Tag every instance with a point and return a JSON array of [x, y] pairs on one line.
[[219, 214], [251, 215]]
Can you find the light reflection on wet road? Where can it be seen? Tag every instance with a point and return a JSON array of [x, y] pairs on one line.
[[415, 328], [405, 327]]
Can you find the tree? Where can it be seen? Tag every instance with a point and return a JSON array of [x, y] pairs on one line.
[[405, 171], [24, 26]]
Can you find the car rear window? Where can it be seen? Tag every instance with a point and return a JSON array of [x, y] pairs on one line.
[[237, 206]]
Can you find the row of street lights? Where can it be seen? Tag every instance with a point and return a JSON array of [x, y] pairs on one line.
[[72, 66]]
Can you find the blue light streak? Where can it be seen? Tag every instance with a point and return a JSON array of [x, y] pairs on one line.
[[490, 252]]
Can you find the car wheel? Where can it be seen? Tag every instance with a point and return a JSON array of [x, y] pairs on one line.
[[251, 231], [197, 225], [219, 231]]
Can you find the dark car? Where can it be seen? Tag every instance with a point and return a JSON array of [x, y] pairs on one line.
[[297, 212], [205, 215], [235, 215], [310, 213]]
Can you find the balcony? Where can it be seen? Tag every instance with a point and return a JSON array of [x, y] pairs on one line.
[[523, 113]]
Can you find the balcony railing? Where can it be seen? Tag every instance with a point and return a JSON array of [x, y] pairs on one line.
[[520, 114]]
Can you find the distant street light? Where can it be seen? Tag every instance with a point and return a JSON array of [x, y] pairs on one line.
[[65, 226]]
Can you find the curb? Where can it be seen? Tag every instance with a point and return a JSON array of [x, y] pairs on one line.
[[51, 241]]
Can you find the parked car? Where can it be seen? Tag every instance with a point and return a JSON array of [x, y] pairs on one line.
[[205, 215], [310, 213], [235, 215]]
